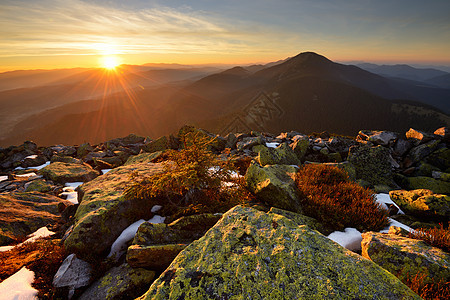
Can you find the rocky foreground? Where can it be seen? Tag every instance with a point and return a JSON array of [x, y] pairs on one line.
[[117, 247]]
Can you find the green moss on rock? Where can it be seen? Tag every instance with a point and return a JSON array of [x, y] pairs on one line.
[[422, 202], [406, 257], [62, 172], [249, 254]]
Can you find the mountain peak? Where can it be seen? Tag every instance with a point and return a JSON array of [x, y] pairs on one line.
[[238, 71]]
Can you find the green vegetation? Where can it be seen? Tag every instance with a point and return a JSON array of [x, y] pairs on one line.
[[436, 237], [195, 180], [331, 198]]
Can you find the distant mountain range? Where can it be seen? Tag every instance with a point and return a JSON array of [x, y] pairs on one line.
[[306, 93]]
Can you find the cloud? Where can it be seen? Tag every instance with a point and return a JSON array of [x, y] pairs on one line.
[[77, 27]]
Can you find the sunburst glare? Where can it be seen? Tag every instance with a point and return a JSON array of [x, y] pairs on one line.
[[110, 62]]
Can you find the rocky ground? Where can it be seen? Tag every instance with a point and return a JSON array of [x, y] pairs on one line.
[[107, 245]]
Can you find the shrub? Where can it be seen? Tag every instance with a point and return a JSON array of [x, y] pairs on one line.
[[436, 237], [439, 290], [193, 180], [332, 199]]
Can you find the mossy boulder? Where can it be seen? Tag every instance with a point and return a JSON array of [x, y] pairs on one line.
[[422, 202], [24, 213], [122, 282], [84, 149], [39, 185], [65, 159], [187, 133], [282, 155], [418, 153], [161, 144], [104, 212], [249, 254], [300, 146], [154, 257], [143, 158], [423, 182], [62, 172], [406, 257], [274, 184], [372, 164], [249, 143], [301, 219], [440, 158]]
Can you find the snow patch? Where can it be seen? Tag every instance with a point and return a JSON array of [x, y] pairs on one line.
[[272, 145], [18, 286], [34, 168], [73, 185], [70, 195], [104, 171], [40, 233], [155, 208], [3, 178], [393, 222], [27, 175], [31, 156], [385, 199], [349, 239], [120, 244]]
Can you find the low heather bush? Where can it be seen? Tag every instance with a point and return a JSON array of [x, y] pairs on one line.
[[436, 290], [436, 237], [331, 198]]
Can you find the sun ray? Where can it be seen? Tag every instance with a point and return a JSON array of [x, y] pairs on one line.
[[110, 62]]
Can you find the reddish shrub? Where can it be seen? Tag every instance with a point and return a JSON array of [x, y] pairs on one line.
[[439, 290], [436, 237], [331, 198]]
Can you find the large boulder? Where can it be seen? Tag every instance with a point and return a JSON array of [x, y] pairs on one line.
[[62, 172], [418, 153], [249, 254], [372, 164], [422, 202], [406, 257], [104, 212], [275, 185], [161, 144], [24, 213], [122, 282], [418, 136], [73, 273], [281, 155], [384, 138]]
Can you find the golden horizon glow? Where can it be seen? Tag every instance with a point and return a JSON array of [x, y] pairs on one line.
[[110, 62]]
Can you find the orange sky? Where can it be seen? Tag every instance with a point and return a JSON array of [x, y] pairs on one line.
[[77, 33]]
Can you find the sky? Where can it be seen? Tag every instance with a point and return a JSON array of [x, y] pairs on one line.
[[76, 33]]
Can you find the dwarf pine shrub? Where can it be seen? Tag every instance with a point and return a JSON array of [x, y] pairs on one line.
[[437, 236], [194, 179], [435, 290], [331, 198]]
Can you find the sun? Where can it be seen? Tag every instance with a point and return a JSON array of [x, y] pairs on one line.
[[110, 62]]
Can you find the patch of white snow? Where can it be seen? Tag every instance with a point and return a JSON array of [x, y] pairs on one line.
[[18, 286], [393, 222], [73, 185], [40, 233], [31, 156], [3, 178], [155, 208], [385, 199], [70, 194], [272, 145], [349, 239], [34, 168], [104, 171]]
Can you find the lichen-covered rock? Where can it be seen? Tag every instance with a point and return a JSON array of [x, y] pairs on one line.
[[249, 143], [84, 149], [274, 184], [440, 158], [423, 182], [128, 140], [444, 133], [161, 144], [62, 172], [372, 164], [425, 169], [422, 202], [65, 159], [249, 254], [73, 273], [143, 158], [122, 282], [104, 212], [24, 213], [405, 256], [441, 176], [300, 219], [33, 161], [156, 245], [300, 146], [418, 153], [282, 155], [39, 185]]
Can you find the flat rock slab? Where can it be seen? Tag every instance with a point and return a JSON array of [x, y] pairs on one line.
[[104, 212], [249, 254], [22, 213], [63, 172]]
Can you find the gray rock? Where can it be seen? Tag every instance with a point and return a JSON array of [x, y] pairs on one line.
[[73, 273], [419, 136]]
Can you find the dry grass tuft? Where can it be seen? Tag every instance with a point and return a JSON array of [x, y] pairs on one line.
[[437, 237]]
